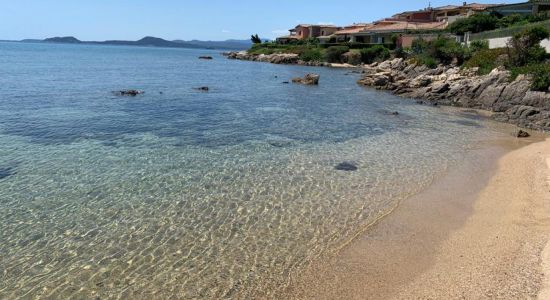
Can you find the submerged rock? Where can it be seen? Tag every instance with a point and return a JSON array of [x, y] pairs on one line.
[[206, 57], [346, 166], [522, 134], [6, 172], [131, 93], [309, 79]]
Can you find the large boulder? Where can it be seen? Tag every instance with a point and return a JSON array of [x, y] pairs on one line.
[[309, 79]]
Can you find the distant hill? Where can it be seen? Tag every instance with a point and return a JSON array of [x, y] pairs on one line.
[[65, 40], [150, 41]]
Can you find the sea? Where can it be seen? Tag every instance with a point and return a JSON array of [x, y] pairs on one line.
[[181, 193]]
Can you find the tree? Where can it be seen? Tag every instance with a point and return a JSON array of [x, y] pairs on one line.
[[524, 48], [476, 23], [255, 39]]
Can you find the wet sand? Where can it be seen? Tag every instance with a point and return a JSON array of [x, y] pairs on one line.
[[479, 232]]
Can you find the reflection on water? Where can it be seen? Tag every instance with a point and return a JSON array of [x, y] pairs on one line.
[[192, 194]]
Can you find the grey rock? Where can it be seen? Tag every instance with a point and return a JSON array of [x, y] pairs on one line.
[[346, 166]]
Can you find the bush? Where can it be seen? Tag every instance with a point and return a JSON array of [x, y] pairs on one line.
[[540, 74], [425, 60], [314, 54], [541, 77], [419, 46], [476, 46], [400, 53], [352, 57], [476, 23], [334, 53], [374, 53], [486, 60], [524, 48], [447, 51]]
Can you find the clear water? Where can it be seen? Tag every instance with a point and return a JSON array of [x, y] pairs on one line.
[[190, 194]]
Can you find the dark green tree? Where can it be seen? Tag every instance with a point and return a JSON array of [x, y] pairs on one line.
[[255, 39], [524, 48]]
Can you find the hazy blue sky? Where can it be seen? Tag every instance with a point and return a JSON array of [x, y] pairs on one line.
[[187, 19]]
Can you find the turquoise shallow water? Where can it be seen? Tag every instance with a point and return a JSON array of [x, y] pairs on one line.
[[190, 194]]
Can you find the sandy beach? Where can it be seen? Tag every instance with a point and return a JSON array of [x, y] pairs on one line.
[[479, 232]]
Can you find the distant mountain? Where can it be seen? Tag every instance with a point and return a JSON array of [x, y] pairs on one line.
[[150, 41], [65, 40]]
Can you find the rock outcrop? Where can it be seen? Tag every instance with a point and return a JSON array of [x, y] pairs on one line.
[[309, 79], [511, 101], [276, 58], [131, 93]]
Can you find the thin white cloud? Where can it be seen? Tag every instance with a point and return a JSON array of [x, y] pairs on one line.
[[226, 31]]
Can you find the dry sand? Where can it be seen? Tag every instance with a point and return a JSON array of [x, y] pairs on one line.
[[480, 232]]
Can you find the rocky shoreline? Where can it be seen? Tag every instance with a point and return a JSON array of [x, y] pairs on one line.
[[276, 58], [510, 101]]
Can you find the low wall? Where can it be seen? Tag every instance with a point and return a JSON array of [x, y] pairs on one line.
[[502, 42]]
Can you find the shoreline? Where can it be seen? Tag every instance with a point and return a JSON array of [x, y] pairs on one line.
[[510, 101], [477, 232]]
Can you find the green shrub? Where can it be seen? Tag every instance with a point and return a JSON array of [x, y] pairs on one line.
[[524, 48], [419, 46], [425, 60], [333, 54], [352, 57], [540, 74], [400, 53], [476, 46], [486, 60], [476, 23], [374, 53], [314, 54], [447, 51], [541, 77]]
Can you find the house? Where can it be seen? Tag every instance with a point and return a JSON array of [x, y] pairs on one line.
[[531, 7], [448, 13], [306, 31], [343, 35], [385, 31]]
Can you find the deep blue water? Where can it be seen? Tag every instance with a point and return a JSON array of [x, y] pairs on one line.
[[183, 193]]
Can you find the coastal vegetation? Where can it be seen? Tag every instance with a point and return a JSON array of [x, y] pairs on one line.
[[484, 22]]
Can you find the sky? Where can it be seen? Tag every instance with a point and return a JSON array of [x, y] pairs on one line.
[[188, 19]]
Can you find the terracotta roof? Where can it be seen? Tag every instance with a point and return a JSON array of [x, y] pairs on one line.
[[446, 7], [402, 26], [354, 28], [317, 25]]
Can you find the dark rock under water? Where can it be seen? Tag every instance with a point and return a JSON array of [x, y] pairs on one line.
[[6, 172], [346, 166]]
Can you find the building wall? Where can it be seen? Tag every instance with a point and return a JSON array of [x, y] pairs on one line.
[[328, 31], [407, 40], [502, 42], [302, 32], [421, 16], [523, 9]]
